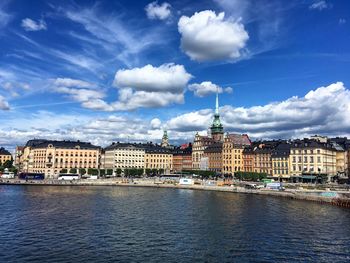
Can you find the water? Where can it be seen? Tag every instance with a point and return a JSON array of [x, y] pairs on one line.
[[123, 224]]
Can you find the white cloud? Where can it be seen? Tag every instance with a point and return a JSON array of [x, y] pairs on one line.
[[68, 82], [320, 5], [30, 25], [206, 88], [5, 17], [325, 110], [156, 123], [206, 36], [150, 86], [167, 77], [4, 105], [156, 11]]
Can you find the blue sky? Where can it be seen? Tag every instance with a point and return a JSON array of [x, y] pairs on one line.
[[105, 71]]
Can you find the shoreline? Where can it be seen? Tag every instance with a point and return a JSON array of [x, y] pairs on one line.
[[338, 198]]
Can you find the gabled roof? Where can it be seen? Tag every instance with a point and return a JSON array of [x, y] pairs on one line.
[[239, 139], [3, 151]]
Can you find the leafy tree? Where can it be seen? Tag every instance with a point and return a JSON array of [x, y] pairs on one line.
[[109, 171], [92, 171], [118, 172], [82, 171], [102, 172], [161, 171], [73, 171], [8, 164], [148, 172], [63, 171]]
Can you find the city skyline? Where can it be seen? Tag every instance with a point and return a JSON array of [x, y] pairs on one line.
[[104, 72]]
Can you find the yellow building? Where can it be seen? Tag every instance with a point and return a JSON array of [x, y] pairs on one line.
[[214, 155], [280, 161], [313, 157], [4, 155], [199, 145], [232, 153], [50, 157], [157, 157]]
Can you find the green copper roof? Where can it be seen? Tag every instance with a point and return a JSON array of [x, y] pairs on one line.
[[216, 127]]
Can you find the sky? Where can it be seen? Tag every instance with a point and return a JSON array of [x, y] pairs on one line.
[[104, 71]]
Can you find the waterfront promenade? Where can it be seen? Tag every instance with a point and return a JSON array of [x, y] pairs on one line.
[[331, 195]]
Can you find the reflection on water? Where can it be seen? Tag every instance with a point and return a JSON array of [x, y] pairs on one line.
[[109, 224]]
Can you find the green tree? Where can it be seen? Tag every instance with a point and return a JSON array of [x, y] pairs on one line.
[[118, 172], [161, 171], [148, 172], [82, 171], [102, 172], [63, 171], [92, 171], [73, 171], [109, 171], [7, 164]]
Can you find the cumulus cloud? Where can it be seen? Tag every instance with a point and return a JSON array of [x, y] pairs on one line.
[[206, 88], [324, 110], [167, 77], [156, 123], [150, 86], [83, 92], [4, 105], [156, 11], [31, 25], [206, 36], [320, 5]]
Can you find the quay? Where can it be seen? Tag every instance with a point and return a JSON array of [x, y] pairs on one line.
[[338, 197]]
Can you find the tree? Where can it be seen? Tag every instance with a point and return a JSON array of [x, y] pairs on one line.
[[119, 171], [161, 171], [63, 171], [82, 171], [109, 171], [73, 170], [102, 172], [92, 171], [148, 172], [7, 164]]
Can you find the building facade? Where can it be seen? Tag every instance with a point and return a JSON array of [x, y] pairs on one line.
[[280, 161], [51, 157], [157, 157], [5, 155], [214, 156], [182, 158], [232, 153]]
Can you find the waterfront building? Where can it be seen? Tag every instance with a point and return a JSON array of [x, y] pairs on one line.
[[18, 153], [213, 153], [201, 142], [50, 157], [248, 157], [124, 156], [232, 153], [262, 160], [5, 155], [313, 157], [280, 161], [157, 157], [182, 158]]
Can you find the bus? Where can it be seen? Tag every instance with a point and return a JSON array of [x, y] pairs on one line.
[[68, 177], [31, 176]]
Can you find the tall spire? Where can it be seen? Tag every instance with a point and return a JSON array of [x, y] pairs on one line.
[[217, 102]]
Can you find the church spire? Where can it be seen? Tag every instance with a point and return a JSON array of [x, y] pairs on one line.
[[217, 102]]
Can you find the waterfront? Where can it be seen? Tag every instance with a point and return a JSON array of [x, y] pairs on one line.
[[101, 224]]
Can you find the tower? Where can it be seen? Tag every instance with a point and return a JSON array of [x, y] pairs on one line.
[[165, 139], [217, 130]]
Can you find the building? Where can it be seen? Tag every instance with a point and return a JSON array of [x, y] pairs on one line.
[[313, 157], [248, 157], [201, 142], [182, 158], [280, 161], [157, 157], [232, 153], [5, 155], [51, 157], [263, 151], [124, 156], [214, 156], [18, 153], [165, 140]]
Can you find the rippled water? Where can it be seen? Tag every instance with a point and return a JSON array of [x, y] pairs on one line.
[[122, 224]]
